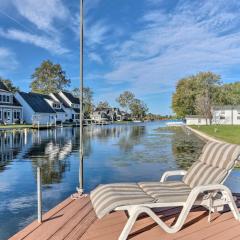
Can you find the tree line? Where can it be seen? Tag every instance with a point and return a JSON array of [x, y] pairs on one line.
[[51, 78], [197, 94]]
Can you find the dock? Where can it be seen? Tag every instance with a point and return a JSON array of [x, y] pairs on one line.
[[75, 219]]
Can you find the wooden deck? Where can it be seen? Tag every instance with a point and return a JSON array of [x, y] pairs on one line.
[[75, 219]]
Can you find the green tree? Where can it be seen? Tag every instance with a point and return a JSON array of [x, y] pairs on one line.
[[208, 85], [8, 83], [184, 98], [87, 99], [229, 94], [138, 108], [49, 78], [125, 100], [103, 104], [194, 92]]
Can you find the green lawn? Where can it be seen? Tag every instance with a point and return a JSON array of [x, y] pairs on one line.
[[229, 134], [15, 126]]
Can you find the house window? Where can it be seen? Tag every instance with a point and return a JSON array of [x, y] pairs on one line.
[[55, 105], [0, 114], [0, 98], [222, 115], [16, 115], [7, 99], [4, 98]]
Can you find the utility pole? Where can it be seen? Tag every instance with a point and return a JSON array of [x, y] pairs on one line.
[[80, 188]]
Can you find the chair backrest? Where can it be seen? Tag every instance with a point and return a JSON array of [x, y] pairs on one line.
[[213, 165]]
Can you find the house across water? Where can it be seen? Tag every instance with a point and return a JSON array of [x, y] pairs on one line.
[[49, 109], [11, 110], [109, 114]]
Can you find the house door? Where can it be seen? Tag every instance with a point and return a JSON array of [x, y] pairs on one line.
[[7, 118]]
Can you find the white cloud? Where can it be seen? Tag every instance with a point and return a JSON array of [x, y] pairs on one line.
[[51, 44], [95, 57], [193, 37], [96, 33], [7, 60], [42, 13]]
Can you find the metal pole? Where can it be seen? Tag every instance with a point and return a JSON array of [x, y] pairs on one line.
[[39, 194], [80, 189]]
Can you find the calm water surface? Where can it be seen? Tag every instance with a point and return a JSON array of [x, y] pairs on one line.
[[115, 153]]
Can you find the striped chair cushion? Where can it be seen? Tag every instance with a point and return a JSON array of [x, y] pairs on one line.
[[106, 198], [166, 192], [213, 165]]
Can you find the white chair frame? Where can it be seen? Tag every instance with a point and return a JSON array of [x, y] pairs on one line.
[[212, 202]]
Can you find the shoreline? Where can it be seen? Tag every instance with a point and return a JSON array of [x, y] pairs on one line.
[[204, 136]]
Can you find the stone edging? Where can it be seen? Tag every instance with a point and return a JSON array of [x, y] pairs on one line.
[[204, 136]]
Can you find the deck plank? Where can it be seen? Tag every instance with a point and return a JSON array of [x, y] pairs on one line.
[[52, 225], [34, 225], [75, 219]]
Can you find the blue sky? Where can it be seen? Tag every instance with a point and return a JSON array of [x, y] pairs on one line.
[[143, 46]]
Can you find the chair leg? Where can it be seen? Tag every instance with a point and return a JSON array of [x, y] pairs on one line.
[[135, 212], [133, 215], [232, 205]]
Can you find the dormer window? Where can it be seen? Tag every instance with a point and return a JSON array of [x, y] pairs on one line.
[[56, 106], [4, 98]]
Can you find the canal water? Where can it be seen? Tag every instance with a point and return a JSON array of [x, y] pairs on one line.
[[114, 153]]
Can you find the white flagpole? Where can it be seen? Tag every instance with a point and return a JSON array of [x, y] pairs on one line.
[[80, 188]]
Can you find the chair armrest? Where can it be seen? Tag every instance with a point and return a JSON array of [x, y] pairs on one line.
[[210, 187], [172, 173]]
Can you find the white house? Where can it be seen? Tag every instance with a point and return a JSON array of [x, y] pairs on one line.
[[225, 115], [196, 120], [70, 104], [107, 114], [61, 115], [228, 115], [36, 110], [10, 109]]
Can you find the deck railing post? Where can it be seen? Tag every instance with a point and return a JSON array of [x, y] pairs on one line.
[[39, 194]]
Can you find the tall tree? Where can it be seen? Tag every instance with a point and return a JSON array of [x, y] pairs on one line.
[[8, 83], [103, 104], [49, 78], [192, 91], [138, 108], [229, 94], [208, 86], [125, 100], [87, 98]]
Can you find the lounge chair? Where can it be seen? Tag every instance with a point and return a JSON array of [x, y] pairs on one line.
[[201, 185]]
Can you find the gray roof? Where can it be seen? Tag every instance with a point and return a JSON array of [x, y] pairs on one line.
[[36, 102], [194, 116], [61, 100], [71, 98]]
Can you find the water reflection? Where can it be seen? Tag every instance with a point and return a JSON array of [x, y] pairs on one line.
[[10, 145], [115, 153], [131, 137], [50, 149]]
